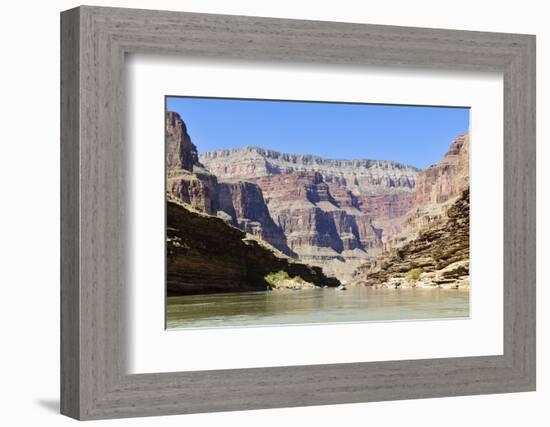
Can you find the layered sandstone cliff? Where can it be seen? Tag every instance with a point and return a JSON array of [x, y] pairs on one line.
[[437, 256], [432, 246], [240, 203], [342, 215], [437, 188], [334, 213], [356, 176], [317, 228], [186, 177], [181, 153], [205, 255], [447, 178]]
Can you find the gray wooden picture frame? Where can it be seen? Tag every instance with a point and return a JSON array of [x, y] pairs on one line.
[[94, 382]]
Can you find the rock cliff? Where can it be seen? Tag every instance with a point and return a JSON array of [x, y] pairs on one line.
[[433, 236], [317, 229], [240, 203], [357, 176], [343, 215], [181, 153], [205, 255], [437, 188], [334, 213], [438, 256], [447, 178]]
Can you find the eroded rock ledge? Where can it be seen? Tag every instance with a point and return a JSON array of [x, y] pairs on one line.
[[207, 255], [439, 256]]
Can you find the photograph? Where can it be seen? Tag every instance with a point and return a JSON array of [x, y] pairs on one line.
[[283, 212]]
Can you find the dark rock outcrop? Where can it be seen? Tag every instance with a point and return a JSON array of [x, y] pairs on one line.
[[441, 251], [205, 255]]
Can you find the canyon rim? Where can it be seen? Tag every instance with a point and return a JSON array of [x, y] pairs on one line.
[[270, 220]]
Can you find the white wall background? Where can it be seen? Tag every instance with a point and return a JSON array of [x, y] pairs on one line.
[[29, 214]]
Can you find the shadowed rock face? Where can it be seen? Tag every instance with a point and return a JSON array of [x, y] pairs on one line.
[[205, 254], [242, 204]]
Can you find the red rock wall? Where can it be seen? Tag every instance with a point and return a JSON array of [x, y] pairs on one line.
[[386, 206], [447, 178], [304, 207]]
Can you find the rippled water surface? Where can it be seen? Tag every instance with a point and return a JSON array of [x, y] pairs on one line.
[[327, 305]]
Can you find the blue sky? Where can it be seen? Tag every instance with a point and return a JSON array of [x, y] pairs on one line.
[[414, 135]]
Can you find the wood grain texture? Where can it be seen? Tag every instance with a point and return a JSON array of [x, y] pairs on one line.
[[70, 292], [94, 232]]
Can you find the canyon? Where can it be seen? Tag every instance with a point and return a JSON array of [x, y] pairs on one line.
[[206, 255], [334, 213], [347, 217], [238, 203], [438, 255], [432, 248]]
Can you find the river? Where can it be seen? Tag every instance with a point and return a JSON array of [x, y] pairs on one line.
[[328, 305]]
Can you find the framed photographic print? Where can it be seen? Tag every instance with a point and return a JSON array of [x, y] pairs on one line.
[[262, 213], [320, 239]]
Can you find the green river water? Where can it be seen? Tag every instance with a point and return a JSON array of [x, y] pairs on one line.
[[356, 304]]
